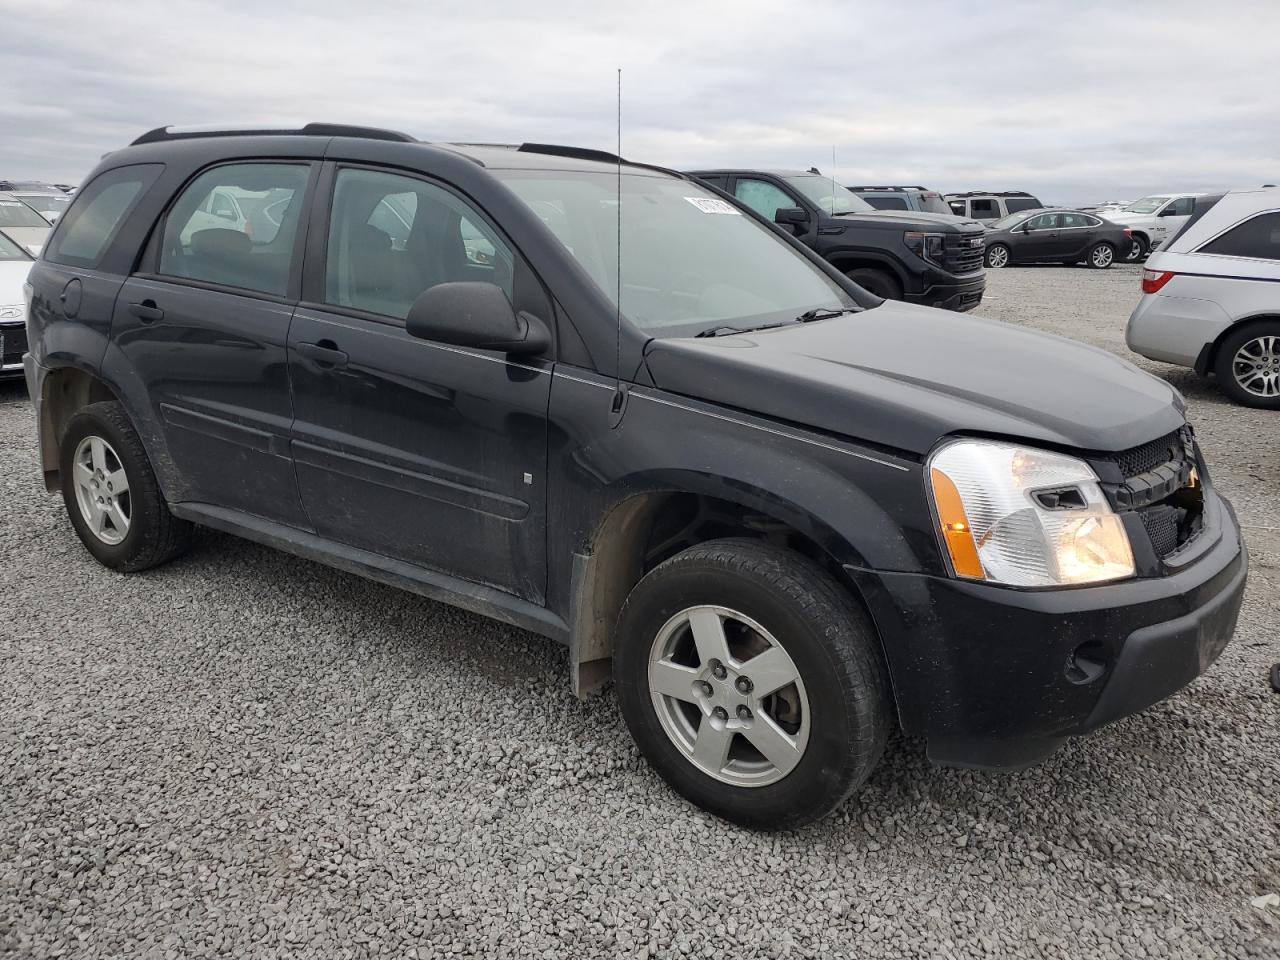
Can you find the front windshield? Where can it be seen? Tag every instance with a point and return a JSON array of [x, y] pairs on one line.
[[1146, 205], [690, 261], [10, 250], [1007, 221], [45, 203], [15, 213], [827, 196]]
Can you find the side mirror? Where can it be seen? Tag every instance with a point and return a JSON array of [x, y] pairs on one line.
[[1026, 227], [1169, 211], [791, 216], [475, 314]]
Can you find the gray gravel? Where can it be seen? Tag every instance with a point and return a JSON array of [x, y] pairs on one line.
[[245, 754]]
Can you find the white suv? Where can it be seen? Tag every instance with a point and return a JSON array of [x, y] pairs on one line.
[[1153, 220], [1211, 299]]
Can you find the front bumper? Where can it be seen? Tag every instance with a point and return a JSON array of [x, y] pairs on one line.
[[999, 678], [948, 293]]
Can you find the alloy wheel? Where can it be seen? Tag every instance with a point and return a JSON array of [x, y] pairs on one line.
[[102, 490], [997, 258], [1256, 366], [1101, 256], [729, 696], [1135, 250]]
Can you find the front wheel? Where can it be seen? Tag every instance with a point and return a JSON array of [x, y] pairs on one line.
[[876, 282], [752, 682], [1101, 256], [997, 256], [1248, 365]]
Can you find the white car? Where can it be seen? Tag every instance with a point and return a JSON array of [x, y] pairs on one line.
[[23, 225], [1211, 299], [1153, 220], [15, 264], [50, 204]]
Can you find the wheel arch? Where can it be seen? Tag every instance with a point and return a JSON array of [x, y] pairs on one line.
[[847, 260], [645, 527], [1208, 356], [64, 391]]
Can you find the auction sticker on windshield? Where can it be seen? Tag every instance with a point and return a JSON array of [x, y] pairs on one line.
[[713, 205]]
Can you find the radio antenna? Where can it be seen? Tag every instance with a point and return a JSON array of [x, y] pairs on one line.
[[833, 179], [618, 397]]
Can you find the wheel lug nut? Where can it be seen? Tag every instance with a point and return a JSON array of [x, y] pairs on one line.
[[720, 713], [706, 688], [744, 713], [744, 684], [717, 670]]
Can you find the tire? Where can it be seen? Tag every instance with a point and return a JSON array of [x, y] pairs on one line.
[[836, 715], [127, 530], [876, 282], [998, 256], [1248, 365], [1100, 256], [1138, 249]]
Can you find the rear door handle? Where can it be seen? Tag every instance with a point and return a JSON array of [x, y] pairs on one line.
[[146, 311], [325, 353]]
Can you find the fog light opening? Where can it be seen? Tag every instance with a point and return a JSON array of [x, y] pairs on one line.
[[1087, 663]]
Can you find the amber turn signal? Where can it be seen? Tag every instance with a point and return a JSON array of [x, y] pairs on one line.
[[956, 531]]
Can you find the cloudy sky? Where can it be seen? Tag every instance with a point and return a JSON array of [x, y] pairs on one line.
[[1077, 101]]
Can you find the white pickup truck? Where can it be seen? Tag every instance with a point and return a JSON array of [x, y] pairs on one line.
[[1153, 220]]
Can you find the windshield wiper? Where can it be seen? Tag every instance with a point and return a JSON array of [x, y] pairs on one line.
[[824, 313], [718, 332]]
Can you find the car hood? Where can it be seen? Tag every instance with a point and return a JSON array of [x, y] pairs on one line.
[[909, 220], [904, 376], [13, 274], [1125, 218]]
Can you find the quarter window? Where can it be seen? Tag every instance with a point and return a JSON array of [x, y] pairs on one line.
[[1258, 238], [87, 228], [392, 237], [762, 197], [235, 226]]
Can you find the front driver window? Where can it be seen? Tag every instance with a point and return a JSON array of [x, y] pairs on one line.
[[392, 237], [763, 197]]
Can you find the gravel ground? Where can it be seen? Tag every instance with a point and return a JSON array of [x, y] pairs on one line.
[[246, 754]]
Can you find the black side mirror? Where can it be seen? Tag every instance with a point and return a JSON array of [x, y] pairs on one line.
[[1026, 227], [475, 314], [791, 216]]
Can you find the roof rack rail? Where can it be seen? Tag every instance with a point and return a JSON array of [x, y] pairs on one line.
[[576, 153], [898, 189], [990, 193], [161, 134]]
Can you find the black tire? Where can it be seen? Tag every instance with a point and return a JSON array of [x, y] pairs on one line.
[[1138, 249], [1100, 256], [1003, 256], [833, 646], [877, 282], [154, 535], [1225, 368]]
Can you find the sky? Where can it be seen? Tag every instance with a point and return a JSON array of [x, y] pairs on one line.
[[1074, 101]]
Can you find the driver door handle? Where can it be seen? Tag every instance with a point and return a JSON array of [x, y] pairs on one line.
[[146, 311], [325, 353]]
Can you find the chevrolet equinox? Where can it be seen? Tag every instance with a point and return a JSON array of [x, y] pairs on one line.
[[784, 515]]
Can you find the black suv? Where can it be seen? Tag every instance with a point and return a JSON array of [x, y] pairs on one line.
[[919, 257], [784, 515]]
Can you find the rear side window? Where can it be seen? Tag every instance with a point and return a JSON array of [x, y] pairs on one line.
[[1258, 238], [1015, 204], [87, 228], [392, 237], [235, 225], [887, 203], [983, 208]]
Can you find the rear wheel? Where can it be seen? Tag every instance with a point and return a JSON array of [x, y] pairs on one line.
[[1101, 256], [997, 256], [752, 682], [1248, 365], [1137, 248], [111, 494], [876, 282]]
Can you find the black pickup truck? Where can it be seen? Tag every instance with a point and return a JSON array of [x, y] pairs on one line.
[[929, 258]]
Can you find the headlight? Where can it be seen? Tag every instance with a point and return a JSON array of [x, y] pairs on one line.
[[928, 246], [1025, 517]]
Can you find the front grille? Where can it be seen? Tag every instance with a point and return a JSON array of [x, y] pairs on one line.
[[14, 343], [963, 252], [1157, 486]]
